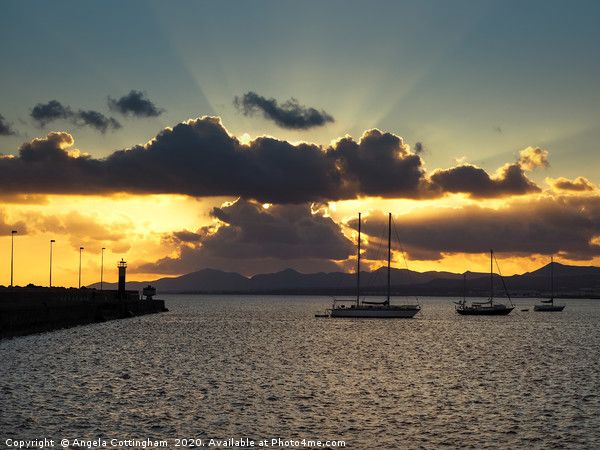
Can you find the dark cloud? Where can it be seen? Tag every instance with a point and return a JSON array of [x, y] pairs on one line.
[[567, 226], [418, 148], [289, 115], [185, 236], [200, 158], [96, 120], [477, 183], [135, 103], [54, 110], [48, 166], [378, 165], [248, 238], [5, 127], [280, 231], [46, 151], [581, 184], [247, 234]]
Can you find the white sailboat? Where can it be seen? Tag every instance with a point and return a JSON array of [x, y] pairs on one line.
[[548, 305], [373, 309], [489, 308]]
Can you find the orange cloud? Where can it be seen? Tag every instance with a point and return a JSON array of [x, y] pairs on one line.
[[89, 231], [532, 157]]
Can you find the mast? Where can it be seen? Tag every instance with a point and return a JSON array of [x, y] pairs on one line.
[[389, 256], [358, 266], [491, 275], [552, 279]]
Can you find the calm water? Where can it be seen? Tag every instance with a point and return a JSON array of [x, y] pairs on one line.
[[259, 368]]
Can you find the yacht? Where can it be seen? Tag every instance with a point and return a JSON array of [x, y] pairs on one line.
[[491, 307], [373, 309]]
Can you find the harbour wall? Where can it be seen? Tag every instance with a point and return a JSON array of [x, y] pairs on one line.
[[36, 309]]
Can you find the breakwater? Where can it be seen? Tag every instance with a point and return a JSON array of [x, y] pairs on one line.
[[31, 310]]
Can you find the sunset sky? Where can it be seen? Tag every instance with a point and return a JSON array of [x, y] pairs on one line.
[[247, 136]]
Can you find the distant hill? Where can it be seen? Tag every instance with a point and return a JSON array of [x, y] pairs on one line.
[[208, 280], [565, 270], [569, 281]]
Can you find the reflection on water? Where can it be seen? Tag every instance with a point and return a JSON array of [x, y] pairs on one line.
[[265, 367]]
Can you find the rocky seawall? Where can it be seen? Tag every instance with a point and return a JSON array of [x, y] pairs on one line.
[[35, 309]]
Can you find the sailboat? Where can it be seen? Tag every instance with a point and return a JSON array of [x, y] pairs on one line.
[[373, 309], [489, 308], [548, 305]]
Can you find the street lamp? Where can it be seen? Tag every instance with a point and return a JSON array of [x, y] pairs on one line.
[[51, 242], [102, 268], [80, 248], [12, 248]]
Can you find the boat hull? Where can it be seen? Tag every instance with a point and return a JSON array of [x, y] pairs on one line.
[[548, 308], [382, 312], [485, 310]]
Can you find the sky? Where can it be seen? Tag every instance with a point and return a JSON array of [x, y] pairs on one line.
[[247, 136]]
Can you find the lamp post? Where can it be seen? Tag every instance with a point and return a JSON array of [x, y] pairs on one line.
[[80, 248], [102, 269], [51, 242], [12, 248]]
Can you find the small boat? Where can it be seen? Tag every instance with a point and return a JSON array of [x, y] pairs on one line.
[[373, 309], [489, 308], [548, 305]]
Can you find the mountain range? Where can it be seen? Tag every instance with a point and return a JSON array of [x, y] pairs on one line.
[[569, 281]]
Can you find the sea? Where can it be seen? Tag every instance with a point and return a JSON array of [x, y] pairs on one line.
[[222, 371]]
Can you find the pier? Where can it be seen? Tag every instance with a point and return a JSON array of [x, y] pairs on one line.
[[32, 309]]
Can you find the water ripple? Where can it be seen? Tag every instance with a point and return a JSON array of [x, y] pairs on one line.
[[265, 368]]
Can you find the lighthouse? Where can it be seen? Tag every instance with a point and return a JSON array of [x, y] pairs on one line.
[[122, 265]]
